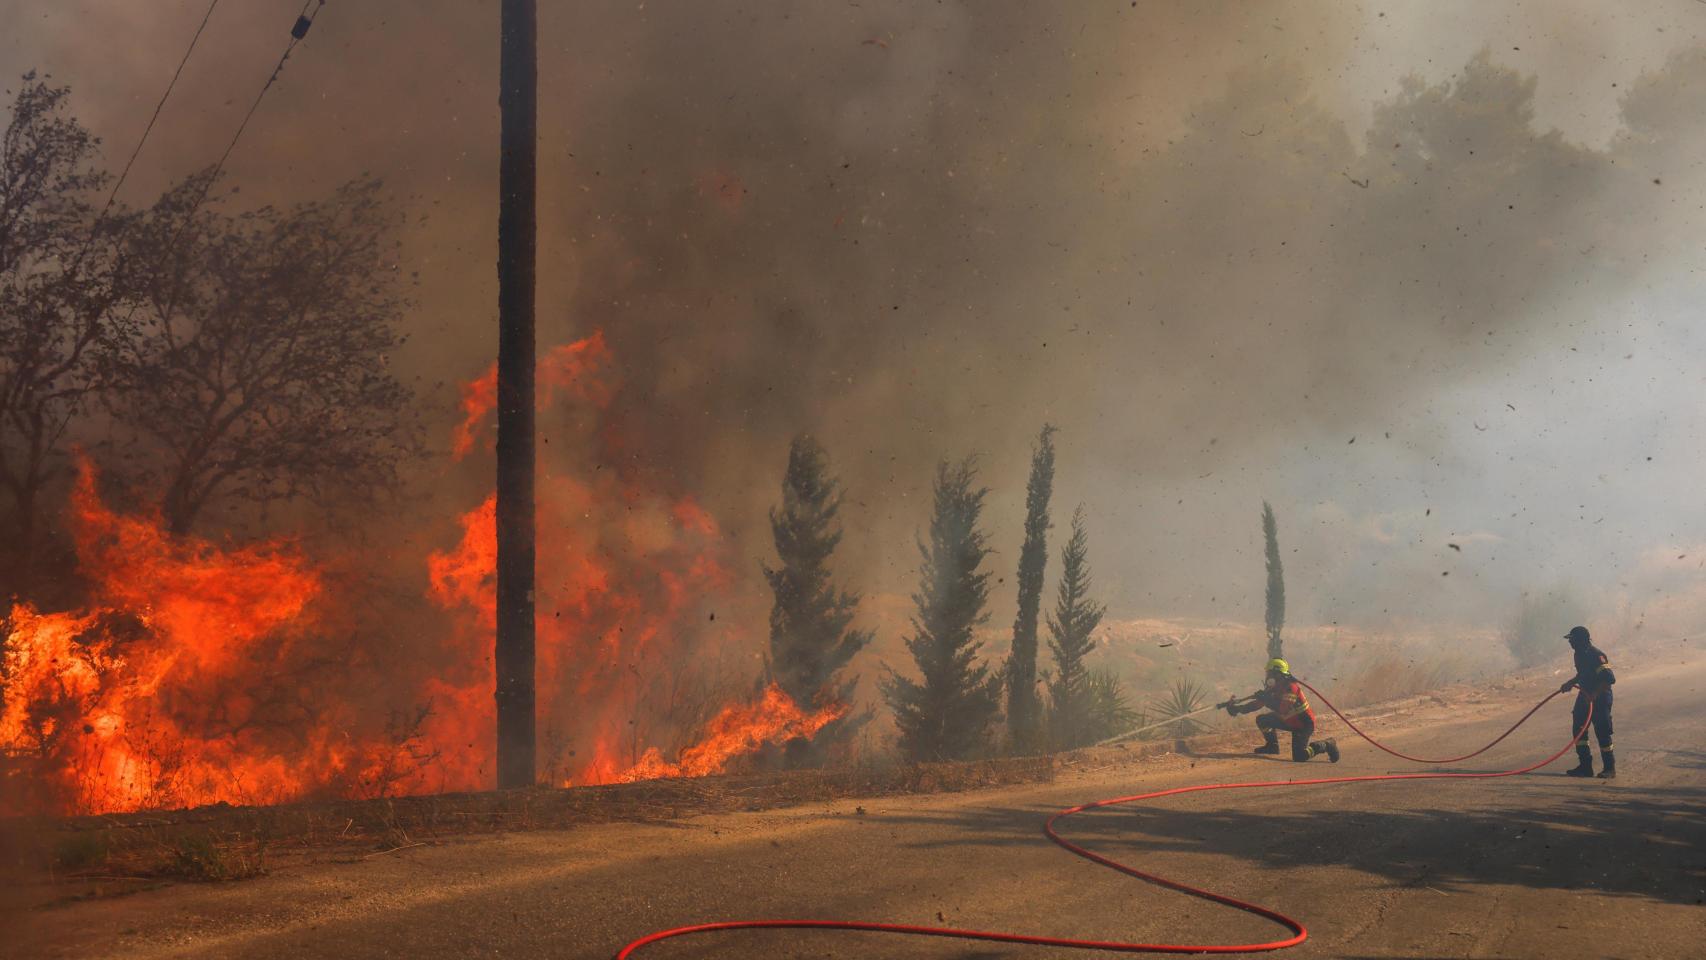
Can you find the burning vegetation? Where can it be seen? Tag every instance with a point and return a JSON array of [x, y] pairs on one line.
[[154, 695], [226, 581], [190, 676], [199, 358]]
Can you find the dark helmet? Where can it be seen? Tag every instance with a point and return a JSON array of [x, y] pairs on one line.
[[1577, 636]]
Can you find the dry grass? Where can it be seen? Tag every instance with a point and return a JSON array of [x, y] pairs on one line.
[[221, 843], [202, 856], [1391, 676]]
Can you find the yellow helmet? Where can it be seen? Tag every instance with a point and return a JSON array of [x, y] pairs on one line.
[[1276, 664]]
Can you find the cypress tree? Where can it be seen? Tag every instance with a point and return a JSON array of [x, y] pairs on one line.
[[947, 713], [810, 619], [1075, 618], [1024, 720], [1276, 582]]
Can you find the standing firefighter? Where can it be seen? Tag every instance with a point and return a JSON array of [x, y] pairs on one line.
[[1288, 709], [1593, 682]]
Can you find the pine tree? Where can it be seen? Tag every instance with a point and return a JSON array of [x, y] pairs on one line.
[[1075, 618], [810, 639], [947, 713], [1276, 582], [1024, 720]]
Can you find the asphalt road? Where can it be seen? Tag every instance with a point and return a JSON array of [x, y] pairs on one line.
[[1535, 866]]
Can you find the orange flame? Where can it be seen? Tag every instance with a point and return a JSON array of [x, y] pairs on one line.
[[621, 581], [202, 672], [625, 573], [737, 731], [143, 698], [571, 367]]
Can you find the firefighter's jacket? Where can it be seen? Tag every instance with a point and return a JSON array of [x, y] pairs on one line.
[[1593, 671], [1284, 696]]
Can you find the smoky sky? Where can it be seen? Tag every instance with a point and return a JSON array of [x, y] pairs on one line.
[[1415, 276]]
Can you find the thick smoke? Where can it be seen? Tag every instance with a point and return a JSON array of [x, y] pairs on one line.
[[1235, 253]]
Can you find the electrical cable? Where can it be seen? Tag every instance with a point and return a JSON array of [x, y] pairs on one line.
[[1298, 931], [304, 20], [113, 194], [298, 30]]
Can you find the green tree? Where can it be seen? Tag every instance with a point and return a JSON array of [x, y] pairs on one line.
[[946, 714], [1024, 720], [1276, 582], [810, 636], [1075, 618]]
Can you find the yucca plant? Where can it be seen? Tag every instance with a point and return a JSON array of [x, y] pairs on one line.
[[1186, 697]]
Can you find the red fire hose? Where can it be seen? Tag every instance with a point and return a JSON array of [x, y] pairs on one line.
[[1298, 933]]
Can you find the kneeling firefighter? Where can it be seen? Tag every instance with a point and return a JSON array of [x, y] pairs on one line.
[[1282, 696]]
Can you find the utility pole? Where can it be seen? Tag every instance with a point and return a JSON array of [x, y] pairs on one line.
[[518, 76]]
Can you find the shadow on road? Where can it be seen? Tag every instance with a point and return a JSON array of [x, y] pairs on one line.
[[1684, 759], [1243, 756], [1621, 840]]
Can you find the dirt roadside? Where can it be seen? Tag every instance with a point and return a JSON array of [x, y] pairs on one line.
[[1539, 865], [90, 857]]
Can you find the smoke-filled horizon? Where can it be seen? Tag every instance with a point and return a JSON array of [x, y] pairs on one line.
[[1416, 277]]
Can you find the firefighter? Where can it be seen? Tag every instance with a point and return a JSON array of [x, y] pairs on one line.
[[1593, 682], [1288, 709]]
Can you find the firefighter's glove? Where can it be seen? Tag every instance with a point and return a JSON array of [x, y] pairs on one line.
[[1565, 687]]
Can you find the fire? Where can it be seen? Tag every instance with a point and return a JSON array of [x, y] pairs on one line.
[[738, 730], [201, 672], [619, 595], [142, 698], [628, 576], [572, 368]]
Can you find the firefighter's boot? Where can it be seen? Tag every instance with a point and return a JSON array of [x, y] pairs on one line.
[[1585, 767], [1610, 760], [1332, 746], [1270, 746]]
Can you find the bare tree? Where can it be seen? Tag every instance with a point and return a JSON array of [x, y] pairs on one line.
[[259, 363], [58, 278]]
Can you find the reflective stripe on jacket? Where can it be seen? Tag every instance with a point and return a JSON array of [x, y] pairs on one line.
[[1284, 696]]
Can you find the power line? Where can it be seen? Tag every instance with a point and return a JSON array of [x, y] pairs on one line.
[[112, 195], [157, 108], [304, 20]]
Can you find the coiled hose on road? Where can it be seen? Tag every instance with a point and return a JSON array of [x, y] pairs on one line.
[[1298, 932]]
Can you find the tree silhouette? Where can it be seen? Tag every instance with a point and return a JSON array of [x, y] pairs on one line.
[[259, 366], [1075, 619], [58, 278], [810, 639], [1276, 583], [946, 714], [1024, 709]]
